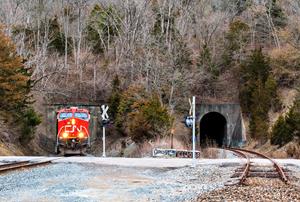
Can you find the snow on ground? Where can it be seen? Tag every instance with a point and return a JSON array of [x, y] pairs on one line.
[[94, 182], [119, 179]]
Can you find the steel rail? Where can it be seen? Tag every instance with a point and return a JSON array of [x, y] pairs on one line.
[[22, 164], [13, 164], [275, 164], [247, 166]]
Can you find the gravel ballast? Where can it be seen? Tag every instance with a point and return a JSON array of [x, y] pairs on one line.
[[257, 189], [86, 181], [91, 182]]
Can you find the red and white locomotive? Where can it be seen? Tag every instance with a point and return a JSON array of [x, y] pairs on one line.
[[73, 136]]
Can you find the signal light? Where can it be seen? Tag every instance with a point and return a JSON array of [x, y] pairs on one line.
[[189, 121], [81, 135], [65, 135], [105, 122]]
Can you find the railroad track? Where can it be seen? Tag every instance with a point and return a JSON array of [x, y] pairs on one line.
[[22, 164], [250, 171]]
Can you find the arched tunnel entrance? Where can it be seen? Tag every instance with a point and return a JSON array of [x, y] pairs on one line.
[[213, 129]]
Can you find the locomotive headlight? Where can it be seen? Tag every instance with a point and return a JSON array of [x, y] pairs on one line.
[[73, 121], [65, 135], [81, 135]]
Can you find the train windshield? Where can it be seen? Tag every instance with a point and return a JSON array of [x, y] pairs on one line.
[[81, 115], [65, 115]]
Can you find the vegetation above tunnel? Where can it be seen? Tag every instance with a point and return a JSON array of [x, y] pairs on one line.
[[163, 52], [258, 93]]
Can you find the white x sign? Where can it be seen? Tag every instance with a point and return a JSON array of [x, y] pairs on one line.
[[104, 112]]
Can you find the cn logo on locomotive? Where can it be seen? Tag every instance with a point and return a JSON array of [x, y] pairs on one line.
[[73, 128]]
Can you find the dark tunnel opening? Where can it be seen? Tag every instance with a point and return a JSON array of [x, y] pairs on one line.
[[212, 129]]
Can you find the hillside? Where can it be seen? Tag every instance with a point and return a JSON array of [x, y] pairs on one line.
[[145, 59]]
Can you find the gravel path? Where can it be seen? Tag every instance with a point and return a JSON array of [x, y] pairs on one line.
[[90, 182]]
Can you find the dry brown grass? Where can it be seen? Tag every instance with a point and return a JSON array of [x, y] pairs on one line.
[[290, 150], [10, 150], [293, 150], [211, 151], [146, 148], [278, 154], [208, 152]]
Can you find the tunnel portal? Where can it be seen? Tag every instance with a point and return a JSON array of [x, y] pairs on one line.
[[213, 129]]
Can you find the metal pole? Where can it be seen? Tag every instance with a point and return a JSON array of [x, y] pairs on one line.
[[171, 140], [103, 140], [194, 130]]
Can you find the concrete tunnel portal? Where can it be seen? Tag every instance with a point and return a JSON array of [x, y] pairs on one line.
[[213, 129]]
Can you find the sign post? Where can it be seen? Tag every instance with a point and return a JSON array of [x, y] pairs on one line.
[[103, 140], [194, 130], [190, 122], [105, 120]]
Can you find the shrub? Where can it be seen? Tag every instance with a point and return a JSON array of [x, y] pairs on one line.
[[15, 87], [142, 116], [150, 119], [235, 40], [293, 118], [288, 127], [286, 65], [286, 57], [14, 77], [58, 39], [281, 132], [258, 93], [127, 100], [164, 23], [206, 61], [278, 17], [115, 97], [29, 120], [103, 26]]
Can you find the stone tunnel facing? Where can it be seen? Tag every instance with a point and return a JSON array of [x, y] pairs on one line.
[[212, 129]]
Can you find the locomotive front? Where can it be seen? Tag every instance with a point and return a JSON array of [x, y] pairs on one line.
[[73, 135]]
